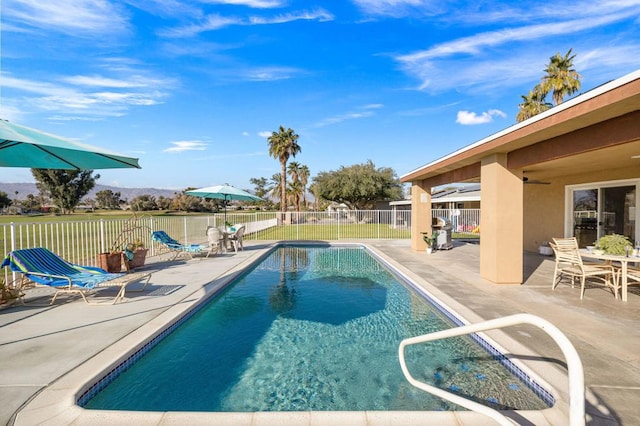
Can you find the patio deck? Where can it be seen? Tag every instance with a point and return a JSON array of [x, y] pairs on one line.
[[41, 346]]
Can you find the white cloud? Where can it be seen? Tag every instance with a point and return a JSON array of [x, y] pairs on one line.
[[399, 8], [487, 61], [181, 146], [264, 134], [256, 4], [216, 22], [81, 96], [72, 17], [270, 73], [471, 118], [368, 112], [316, 15]]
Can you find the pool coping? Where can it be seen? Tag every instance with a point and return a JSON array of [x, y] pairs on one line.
[[56, 403]]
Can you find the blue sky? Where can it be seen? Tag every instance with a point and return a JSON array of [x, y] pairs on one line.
[[194, 88]]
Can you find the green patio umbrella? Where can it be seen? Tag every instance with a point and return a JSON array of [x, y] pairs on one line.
[[223, 192], [22, 146]]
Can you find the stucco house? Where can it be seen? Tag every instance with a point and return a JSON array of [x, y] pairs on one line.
[[572, 170]]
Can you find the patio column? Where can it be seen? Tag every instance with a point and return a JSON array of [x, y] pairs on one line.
[[501, 227], [420, 215]]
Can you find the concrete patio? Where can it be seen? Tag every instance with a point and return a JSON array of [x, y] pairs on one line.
[[42, 346]]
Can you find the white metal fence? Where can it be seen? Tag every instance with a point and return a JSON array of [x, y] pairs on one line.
[[81, 241]]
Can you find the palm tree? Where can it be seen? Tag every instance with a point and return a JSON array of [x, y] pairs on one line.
[[561, 78], [294, 171], [295, 193], [275, 187], [532, 104], [303, 174], [282, 145]]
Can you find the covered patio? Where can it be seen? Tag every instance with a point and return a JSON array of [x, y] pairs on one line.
[[532, 175]]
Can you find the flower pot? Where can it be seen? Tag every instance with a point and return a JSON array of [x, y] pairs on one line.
[[110, 262], [139, 256], [545, 250], [429, 250]]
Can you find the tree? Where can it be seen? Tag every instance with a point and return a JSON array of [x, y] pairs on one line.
[[30, 203], [282, 145], [561, 78], [163, 203], [65, 187], [294, 189], [532, 104], [358, 186], [185, 202], [107, 199], [303, 174], [294, 193], [5, 201], [275, 187], [260, 186], [144, 202]]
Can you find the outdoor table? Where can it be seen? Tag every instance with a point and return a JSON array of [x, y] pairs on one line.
[[624, 260]]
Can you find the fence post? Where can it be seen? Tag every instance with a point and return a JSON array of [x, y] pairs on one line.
[[102, 247], [13, 236], [185, 238], [152, 228]]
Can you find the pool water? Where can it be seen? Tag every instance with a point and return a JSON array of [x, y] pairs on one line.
[[311, 329]]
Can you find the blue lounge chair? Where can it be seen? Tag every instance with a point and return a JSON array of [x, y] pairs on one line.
[[176, 247], [45, 268]]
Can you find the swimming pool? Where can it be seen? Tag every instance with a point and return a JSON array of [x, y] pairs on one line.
[[309, 328]]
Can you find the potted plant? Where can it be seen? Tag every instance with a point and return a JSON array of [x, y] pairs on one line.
[[131, 233], [432, 241], [614, 244], [135, 254], [9, 294]]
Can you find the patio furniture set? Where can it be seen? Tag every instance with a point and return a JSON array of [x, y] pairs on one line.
[[609, 270], [42, 267]]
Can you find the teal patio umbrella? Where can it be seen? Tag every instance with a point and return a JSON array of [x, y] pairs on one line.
[[223, 192], [22, 146]]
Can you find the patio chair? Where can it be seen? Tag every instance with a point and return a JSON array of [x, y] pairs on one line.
[[236, 237], [45, 268], [569, 265], [175, 247], [633, 275], [216, 240]]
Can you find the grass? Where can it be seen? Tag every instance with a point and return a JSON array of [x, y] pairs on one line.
[[331, 232]]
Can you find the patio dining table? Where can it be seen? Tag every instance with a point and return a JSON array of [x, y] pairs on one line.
[[624, 261]]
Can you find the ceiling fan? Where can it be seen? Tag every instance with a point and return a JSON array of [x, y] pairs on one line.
[[526, 180]]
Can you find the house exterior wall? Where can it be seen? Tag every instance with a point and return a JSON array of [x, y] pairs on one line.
[[544, 205]]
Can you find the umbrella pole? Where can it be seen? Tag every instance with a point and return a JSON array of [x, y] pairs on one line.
[[225, 211]]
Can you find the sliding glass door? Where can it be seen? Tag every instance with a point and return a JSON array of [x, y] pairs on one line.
[[603, 208]]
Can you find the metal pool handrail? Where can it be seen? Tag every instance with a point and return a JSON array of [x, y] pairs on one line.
[[574, 365]]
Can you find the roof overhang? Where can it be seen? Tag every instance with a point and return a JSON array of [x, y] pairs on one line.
[[612, 110]]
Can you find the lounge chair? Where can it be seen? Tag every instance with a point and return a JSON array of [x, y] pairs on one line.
[[216, 240], [236, 237], [177, 248], [569, 264], [45, 268]]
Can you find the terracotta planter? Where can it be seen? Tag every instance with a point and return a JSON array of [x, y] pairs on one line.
[[110, 262], [139, 256]]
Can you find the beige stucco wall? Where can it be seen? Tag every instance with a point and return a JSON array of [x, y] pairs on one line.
[[544, 205], [501, 222], [420, 215]]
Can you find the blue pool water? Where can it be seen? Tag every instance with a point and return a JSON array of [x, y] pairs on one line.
[[310, 328]]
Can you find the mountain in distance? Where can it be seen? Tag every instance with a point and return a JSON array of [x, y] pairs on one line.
[[128, 194]]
